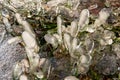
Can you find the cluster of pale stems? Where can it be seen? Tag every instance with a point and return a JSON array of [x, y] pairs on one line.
[[65, 36]]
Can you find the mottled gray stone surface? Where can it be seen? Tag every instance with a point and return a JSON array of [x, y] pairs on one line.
[[9, 55], [107, 65]]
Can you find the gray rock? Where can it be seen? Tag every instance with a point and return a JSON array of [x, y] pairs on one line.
[[10, 54], [107, 65]]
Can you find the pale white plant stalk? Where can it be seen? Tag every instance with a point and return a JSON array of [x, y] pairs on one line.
[[71, 78], [67, 29], [84, 59], [7, 23], [74, 50], [71, 44], [23, 77], [63, 29], [52, 40], [83, 68], [25, 63], [5, 13], [2, 36], [18, 70], [35, 62], [67, 41], [83, 20], [17, 39], [59, 27], [55, 39], [19, 18], [74, 45], [39, 5], [76, 5], [90, 29], [26, 26], [74, 28], [109, 41], [103, 16], [59, 40], [42, 61], [39, 74], [5, 18], [116, 49], [32, 48], [90, 51], [68, 35], [33, 59], [53, 3], [107, 38], [30, 41], [108, 34]]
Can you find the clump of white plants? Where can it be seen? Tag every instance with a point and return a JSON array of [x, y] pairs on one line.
[[31, 65], [67, 37]]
